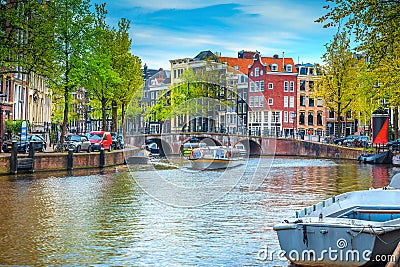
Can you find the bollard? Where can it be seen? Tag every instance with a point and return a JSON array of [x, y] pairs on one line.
[[32, 155], [14, 158], [70, 159], [102, 158], [32, 149]]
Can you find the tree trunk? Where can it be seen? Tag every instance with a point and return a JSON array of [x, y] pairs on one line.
[[66, 105], [123, 118], [114, 112], [396, 122], [103, 114]]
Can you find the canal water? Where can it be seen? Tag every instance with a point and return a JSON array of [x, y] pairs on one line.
[[118, 217]]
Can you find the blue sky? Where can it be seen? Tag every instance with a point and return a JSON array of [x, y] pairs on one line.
[[163, 30]]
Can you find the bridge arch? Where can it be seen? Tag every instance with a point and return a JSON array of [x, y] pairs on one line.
[[165, 148], [252, 147]]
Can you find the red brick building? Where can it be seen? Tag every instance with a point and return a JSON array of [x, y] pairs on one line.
[[272, 96]]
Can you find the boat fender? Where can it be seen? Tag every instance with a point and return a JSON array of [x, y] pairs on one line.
[[191, 154], [228, 154], [305, 237]]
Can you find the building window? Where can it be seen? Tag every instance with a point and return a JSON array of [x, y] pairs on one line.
[[175, 76], [292, 116], [285, 86], [270, 101], [261, 100], [311, 85], [302, 85], [251, 73], [256, 101], [251, 101], [331, 114], [270, 86], [302, 100], [289, 68], [261, 72], [301, 118], [257, 86], [285, 101], [286, 116], [266, 116], [310, 118], [311, 102], [256, 72], [319, 119], [291, 86], [274, 67], [262, 86], [319, 102], [252, 87], [291, 102]]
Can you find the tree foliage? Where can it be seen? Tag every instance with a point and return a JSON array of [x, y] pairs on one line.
[[26, 37], [337, 84], [375, 25], [72, 31]]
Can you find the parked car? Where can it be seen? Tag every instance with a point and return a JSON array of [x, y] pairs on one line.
[[100, 139], [393, 145], [121, 141], [348, 141], [77, 143], [339, 140], [23, 146], [363, 141]]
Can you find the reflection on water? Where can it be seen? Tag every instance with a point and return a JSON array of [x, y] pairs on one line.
[[105, 218]]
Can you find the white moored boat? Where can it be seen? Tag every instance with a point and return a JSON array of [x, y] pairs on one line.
[[215, 157], [360, 228], [396, 160]]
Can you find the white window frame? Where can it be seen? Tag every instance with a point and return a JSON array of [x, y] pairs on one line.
[[291, 86], [270, 101], [256, 72], [289, 68], [285, 101], [274, 67], [270, 86], [286, 86], [262, 86], [286, 116], [291, 102]]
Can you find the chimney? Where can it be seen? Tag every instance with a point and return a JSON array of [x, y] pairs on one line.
[[283, 60], [276, 56]]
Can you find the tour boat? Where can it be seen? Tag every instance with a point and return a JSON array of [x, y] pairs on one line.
[[396, 160], [215, 157], [360, 228]]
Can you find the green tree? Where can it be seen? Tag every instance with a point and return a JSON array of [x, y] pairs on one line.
[[100, 78], [337, 84], [128, 67], [72, 32], [375, 25], [26, 37]]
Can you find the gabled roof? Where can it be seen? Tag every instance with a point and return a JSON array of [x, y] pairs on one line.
[[205, 55], [241, 63], [244, 63]]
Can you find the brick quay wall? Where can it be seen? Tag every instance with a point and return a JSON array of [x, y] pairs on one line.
[[59, 161]]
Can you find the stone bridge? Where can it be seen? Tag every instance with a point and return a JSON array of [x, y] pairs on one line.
[[170, 144]]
